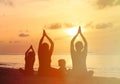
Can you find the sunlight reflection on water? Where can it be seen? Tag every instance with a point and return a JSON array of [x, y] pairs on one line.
[[102, 65]]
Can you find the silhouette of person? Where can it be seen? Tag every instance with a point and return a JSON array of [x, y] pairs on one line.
[[29, 61], [62, 67], [44, 56], [78, 54]]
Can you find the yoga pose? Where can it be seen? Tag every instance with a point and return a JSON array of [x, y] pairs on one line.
[[44, 55], [29, 61], [79, 53]]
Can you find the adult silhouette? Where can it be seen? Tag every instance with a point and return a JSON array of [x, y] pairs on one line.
[[44, 56], [78, 54], [29, 61]]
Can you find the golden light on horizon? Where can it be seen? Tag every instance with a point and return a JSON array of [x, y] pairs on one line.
[[73, 31]]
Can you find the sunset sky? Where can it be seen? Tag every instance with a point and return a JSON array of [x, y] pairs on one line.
[[22, 23]]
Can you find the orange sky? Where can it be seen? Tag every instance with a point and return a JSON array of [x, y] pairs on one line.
[[22, 22]]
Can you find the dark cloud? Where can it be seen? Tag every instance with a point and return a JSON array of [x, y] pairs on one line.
[[23, 35], [104, 25], [93, 25], [104, 3], [59, 25], [7, 2], [101, 4], [53, 26], [90, 25], [118, 2]]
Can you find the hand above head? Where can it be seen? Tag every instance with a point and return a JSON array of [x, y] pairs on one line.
[[79, 30], [44, 33], [31, 46]]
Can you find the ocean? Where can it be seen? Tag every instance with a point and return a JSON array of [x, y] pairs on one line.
[[104, 65]]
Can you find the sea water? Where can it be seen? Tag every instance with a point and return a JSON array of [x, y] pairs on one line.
[[105, 65]]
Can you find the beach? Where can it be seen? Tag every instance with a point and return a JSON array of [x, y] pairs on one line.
[[13, 76], [95, 62]]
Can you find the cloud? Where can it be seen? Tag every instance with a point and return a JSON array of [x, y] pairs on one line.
[[93, 25], [53, 26], [90, 25], [104, 3], [7, 2], [23, 35], [104, 25], [101, 4], [59, 25], [118, 2]]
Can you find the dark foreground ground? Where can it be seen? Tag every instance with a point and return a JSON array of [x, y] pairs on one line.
[[13, 76]]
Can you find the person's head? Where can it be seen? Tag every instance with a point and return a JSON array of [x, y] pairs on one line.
[[79, 46], [61, 63], [45, 46]]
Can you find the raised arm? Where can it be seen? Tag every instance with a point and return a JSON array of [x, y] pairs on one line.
[[27, 51], [51, 42], [72, 43], [32, 50], [84, 40], [41, 40]]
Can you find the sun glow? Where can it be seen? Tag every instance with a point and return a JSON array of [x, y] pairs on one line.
[[73, 31]]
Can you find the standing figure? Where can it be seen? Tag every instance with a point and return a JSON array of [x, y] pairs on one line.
[[44, 56], [79, 54], [29, 61]]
